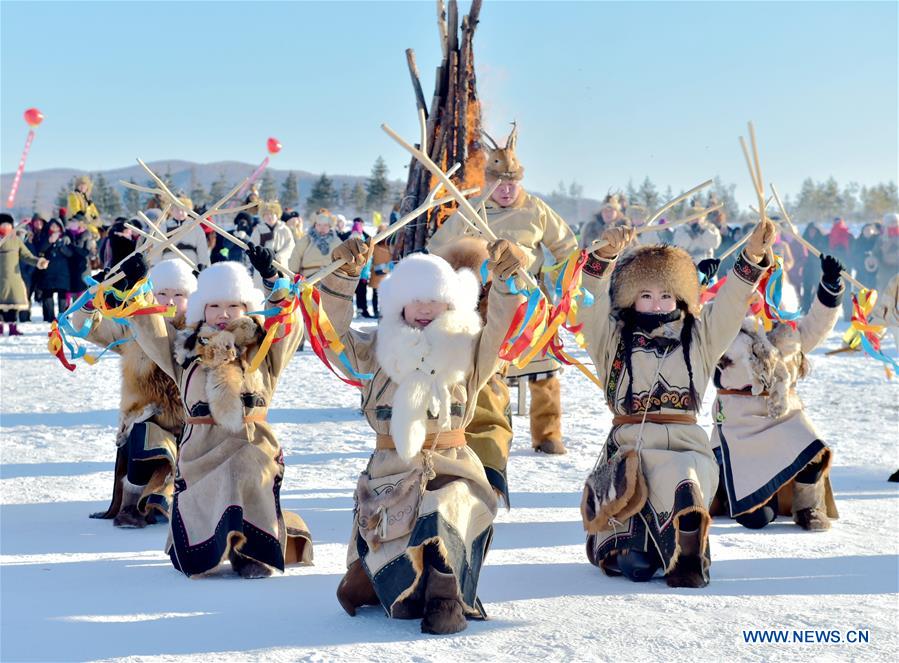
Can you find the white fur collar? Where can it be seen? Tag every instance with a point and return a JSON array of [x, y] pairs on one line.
[[425, 363]]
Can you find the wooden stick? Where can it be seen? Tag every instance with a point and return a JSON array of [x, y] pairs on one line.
[[429, 203], [790, 227], [465, 206], [246, 247], [156, 240], [737, 245], [674, 201], [600, 243]]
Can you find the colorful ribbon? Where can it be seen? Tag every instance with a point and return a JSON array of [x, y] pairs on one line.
[[771, 289], [319, 330], [869, 334], [535, 326]]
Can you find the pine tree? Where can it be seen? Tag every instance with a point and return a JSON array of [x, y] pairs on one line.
[[322, 194], [131, 199], [290, 193], [377, 187], [345, 197], [267, 188], [198, 195], [648, 195], [62, 196], [218, 188], [359, 197], [725, 195]]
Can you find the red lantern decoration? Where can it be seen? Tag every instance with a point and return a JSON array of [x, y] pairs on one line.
[[33, 117], [274, 145]]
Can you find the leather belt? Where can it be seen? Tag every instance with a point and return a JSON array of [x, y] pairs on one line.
[[448, 439], [653, 418], [740, 392], [209, 421]]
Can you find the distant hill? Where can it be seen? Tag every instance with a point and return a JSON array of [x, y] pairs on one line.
[[38, 189]]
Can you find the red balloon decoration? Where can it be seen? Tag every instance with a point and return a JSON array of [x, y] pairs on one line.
[[274, 145], [33, 117]]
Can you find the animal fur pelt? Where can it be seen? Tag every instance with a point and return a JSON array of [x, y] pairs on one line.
[[224, 355], [425, 363], [767, 363], [147, 392]]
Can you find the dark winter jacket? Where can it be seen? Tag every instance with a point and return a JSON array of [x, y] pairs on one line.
[[58, 275], [83, 247]]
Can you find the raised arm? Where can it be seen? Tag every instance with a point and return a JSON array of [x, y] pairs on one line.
[[721, 320], [598, 324], [155, 337], [451, 230], [279, 353], [815, 326], [558, 237], [505, 259]]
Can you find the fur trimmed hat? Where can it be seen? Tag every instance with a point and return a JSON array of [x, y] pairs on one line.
[[223, 282], [173, 275], [427, 278], [661, 265]]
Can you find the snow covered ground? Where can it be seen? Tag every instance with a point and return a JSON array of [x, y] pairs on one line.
[[77, 589]]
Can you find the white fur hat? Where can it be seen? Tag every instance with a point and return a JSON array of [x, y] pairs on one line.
[[427, 278], [173, 275], [223, 282]]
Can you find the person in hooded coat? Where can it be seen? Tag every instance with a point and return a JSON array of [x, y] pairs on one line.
[[424, 506], [645, 505]]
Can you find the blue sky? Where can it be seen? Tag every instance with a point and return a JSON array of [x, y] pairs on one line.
[[602, 91]]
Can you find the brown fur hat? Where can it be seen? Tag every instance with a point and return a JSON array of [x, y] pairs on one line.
[[469, 253], [661, 264]]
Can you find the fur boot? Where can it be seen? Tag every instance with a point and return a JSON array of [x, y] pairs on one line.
[[355, 589], [809, 511], [688, 571], [246, 567], [443, 609], [546, 415]]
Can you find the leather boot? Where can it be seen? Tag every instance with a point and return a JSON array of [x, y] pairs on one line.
[[355, 589], [14, 329], [637, 565], [688, 571], [443, 609]]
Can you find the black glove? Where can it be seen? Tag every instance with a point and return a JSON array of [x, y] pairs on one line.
[[134, 268], [261, 258], [708, 268], [830, 272], [100, 276]]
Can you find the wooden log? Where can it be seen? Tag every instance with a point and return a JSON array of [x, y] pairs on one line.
[[416, 80]]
